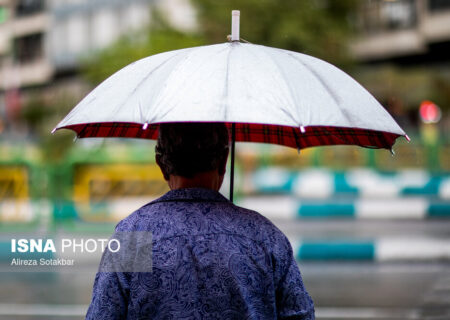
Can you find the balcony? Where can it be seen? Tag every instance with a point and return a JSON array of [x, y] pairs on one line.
[[435, 26], [32, 73], [30, 24], [392, 29]]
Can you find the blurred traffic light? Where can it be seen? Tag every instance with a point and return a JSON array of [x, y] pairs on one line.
[[429, 112]]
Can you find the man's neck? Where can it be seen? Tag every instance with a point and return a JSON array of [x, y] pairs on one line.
[[207, 180]]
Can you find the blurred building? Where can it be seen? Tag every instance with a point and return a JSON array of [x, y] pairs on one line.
[[405, 45], [38, 38], [42, 41], [404, 31]]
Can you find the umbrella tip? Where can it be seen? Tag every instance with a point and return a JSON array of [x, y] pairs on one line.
[[302, 129], [235, 14], [53, 131], [145, 126], [392, 152], [407, 138]]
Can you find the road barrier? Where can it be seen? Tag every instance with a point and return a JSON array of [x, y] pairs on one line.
[[323, 183], [380, 250], [288, 207]]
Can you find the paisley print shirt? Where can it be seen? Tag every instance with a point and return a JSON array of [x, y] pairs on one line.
[[211, 260]]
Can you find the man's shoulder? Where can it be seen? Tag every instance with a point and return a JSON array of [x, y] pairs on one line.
[[172, 217], [265, 227], [135, 219]]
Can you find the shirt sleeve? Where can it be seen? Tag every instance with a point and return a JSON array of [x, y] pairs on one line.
[[293, 301], [109, 297]]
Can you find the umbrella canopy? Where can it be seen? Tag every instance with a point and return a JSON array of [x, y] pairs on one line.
[[264, 94], [272, 95]]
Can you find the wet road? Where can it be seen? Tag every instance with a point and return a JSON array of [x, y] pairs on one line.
[[404, 291], [341, 290], [357, 229]]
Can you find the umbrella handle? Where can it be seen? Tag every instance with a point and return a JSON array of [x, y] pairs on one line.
[[233, 140]]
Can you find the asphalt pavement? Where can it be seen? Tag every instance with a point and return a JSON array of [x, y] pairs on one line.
[[340, 289]]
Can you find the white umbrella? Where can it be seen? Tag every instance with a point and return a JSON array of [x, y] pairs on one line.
[[264, 94]]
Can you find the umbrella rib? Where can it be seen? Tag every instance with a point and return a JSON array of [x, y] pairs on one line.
[[145, 78], [332, 93], [297, 142], [337, 100], [299, 120], [225, 90], [327, 88], [192, 51]]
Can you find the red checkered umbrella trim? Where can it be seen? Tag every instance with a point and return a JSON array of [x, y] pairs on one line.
[[275, 134]]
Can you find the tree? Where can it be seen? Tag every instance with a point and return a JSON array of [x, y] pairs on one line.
[[316, 27], [158, 37]]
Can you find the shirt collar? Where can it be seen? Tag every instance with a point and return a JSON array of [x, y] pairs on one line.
[[192, 194]]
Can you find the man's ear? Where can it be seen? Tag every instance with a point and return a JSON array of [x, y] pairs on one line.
[[223, 164], [161, 166]]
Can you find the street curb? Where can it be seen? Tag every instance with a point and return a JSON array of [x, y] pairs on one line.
[[6, 255], [380, 250], [323, 183], [290, 208]]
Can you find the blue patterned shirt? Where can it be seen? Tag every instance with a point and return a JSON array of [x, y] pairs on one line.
[[211, 260]]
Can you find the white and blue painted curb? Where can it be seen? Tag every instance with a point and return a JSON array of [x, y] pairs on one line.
[[380, 250], [7, 255], [288, 207], [323, 183]]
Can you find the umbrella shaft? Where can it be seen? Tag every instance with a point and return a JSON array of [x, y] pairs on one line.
[[233, 140]]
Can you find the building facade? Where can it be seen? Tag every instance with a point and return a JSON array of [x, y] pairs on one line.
[[42, 39], [415, 31]]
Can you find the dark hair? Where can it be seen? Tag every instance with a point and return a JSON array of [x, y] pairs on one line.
[[185, 149]]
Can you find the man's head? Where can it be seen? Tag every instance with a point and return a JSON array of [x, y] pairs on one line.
[[189, 150]]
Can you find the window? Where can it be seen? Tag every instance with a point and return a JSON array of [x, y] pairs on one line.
[[28, 48], [438, 5], [382, 15], [27, 7], [399, 14]]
